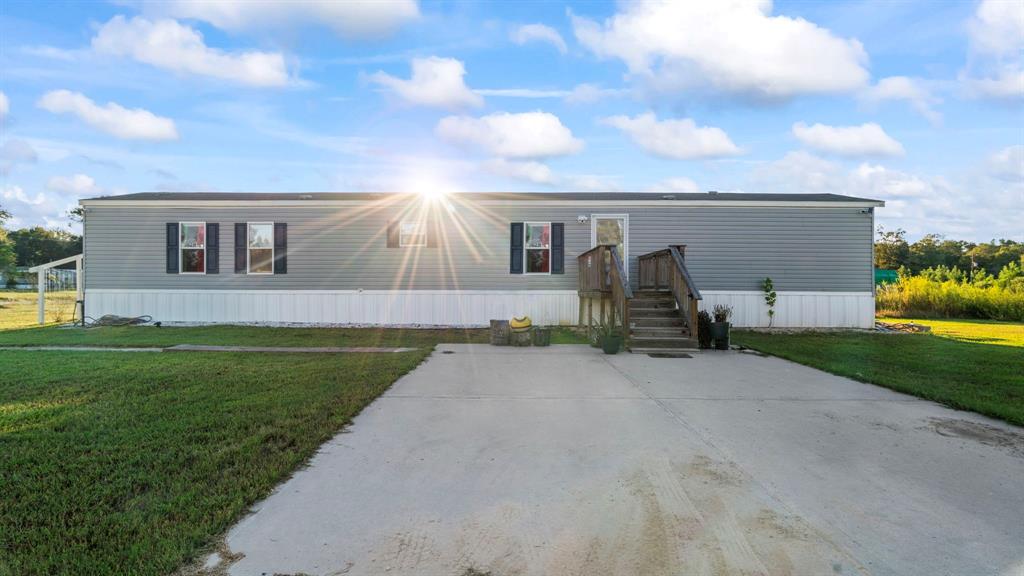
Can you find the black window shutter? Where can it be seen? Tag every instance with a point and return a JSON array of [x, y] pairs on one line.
[[280, 248], [516, 249], [393, 234], [241, 254], [172, 247], [557, 248], [212, 248]]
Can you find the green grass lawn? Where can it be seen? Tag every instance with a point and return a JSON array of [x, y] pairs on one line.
[[966, 364], [143, 336], [19, 309], [978, 331], [134, 463]]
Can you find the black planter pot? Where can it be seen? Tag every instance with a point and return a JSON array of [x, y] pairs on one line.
[[611, 344], [720, 334]]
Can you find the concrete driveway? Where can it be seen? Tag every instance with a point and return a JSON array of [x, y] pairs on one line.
[[565, 461]]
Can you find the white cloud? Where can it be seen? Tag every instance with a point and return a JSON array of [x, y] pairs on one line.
[[348, 18], [522, 93], [5, 105], [539, 33], [540, 173], [733, 46], [28, 209], [680, 184], [881, 182], [524, 135], [77, 185], [997, 28], [864, 140], [1008, 164], [679, 139], [172, 46], [435, 82], [902, 88], [580, 94], [1006, 84], [995, 66], [588, 93], [531, 171], [973, 209], [14, 152], [114, 119], [17, 194], [39, 209], [802, 170]]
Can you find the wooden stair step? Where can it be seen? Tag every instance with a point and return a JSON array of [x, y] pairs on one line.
[[653, 313], [648, 303], [676, 332], [656, 321]]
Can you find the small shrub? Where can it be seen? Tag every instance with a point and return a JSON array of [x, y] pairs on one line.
[[923, 297], [722, 312], [770, 297], [704, 330]]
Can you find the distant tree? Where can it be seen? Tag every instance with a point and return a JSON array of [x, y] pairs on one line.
[[933, 250], [7, 256], [994, 256], [1010, 275], [76, 215], [891, 249], [34, 246]]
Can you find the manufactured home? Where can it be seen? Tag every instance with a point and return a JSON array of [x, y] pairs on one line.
[[466, 258]]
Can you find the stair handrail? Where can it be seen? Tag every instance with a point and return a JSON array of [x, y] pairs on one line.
[[691, 286], [666, 268], [681, 279], [621, 292]]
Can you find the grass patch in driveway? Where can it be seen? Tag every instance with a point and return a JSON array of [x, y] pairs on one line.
[[968, 375], [116, 463]]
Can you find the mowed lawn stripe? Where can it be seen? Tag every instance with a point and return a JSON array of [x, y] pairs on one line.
[[132, 463], [986, 378]]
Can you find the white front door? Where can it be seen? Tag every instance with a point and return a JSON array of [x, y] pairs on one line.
[[612, 229]]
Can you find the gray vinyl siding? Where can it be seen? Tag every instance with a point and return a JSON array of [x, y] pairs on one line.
[[344, 247]]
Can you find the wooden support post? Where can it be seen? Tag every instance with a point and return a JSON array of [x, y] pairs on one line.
[[580, 323], [41, 280], [79, 292]]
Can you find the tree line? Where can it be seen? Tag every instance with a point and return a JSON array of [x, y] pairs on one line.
[[933, 251], [36, 245]]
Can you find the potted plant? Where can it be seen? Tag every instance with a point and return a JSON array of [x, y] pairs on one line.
[[610, 338], [720, 327]]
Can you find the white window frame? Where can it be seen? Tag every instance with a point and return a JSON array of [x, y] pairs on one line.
[[248, 256], [181, 246], [401, 234], [526, 249], [625, 235]]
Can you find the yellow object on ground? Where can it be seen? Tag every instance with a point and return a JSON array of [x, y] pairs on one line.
[[520, 324]]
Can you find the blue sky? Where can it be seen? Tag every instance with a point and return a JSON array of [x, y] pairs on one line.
[[919, 104]]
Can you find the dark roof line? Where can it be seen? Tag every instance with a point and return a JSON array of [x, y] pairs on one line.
[[510, 196]]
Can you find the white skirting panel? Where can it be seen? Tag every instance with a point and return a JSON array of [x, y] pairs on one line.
[[796, 309], [451, 307], [372, 307]]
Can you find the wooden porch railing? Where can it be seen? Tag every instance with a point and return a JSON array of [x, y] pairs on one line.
[[621, 292], [602, 274], [665, 269]]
